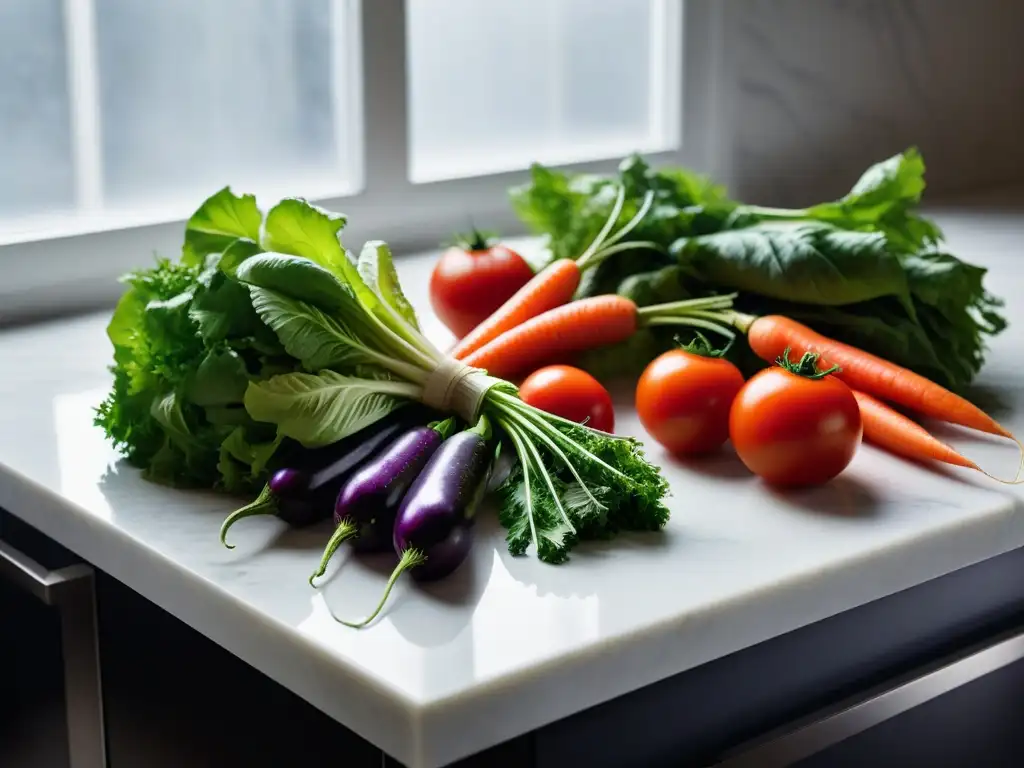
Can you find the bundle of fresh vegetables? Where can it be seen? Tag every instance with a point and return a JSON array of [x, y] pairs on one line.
[[865, 269], [594, 323], [269, 340]]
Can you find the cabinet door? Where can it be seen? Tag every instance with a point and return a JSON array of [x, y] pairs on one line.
[[50, 700], [33, 729], [977, 724], [174, 698]]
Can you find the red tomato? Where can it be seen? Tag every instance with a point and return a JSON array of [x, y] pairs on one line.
[[570, 393], [683, 400], [474, 278], [793, 430]]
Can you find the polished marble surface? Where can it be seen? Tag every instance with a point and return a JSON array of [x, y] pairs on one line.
[[506, 644]]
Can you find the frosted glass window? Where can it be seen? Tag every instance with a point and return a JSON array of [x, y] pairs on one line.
[[195, 94], [495, 85], [35, 134], [122, 105]]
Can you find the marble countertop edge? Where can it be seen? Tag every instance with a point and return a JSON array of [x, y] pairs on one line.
[[627, 656], [145, 569]]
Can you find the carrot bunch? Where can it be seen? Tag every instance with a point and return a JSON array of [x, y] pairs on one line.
[[519, 338], [555, 285]]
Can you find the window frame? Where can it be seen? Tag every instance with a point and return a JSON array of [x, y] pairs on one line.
[[77, 270]]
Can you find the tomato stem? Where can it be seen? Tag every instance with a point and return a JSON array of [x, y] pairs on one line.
[[806, 367], [474, 240], [704, 348]]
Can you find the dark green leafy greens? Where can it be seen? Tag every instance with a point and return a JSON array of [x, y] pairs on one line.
[[269, 333], [804, 261], [866, 268], [186, 345]]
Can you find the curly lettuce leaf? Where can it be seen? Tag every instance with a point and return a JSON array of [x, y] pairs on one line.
[[220, 307], [242, 461], [223, 218], [220, 379], [298, 228], [186, 342]]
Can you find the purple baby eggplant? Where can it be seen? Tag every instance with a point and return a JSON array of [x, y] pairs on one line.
[[371, 496], [379, 485], [433, 529], [304, 492], [436, 516]]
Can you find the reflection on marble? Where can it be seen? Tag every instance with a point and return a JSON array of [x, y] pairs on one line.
[[507, 644], [79, 459]]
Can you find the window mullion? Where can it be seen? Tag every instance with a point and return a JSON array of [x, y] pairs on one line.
[[84, 97], [556, 73], [665, 62], [347, 88], [385, 110]]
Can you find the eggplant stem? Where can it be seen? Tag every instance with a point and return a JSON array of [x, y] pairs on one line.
[[345, 530], [483, 428], [443, 428], [411, 558], [264, 504]]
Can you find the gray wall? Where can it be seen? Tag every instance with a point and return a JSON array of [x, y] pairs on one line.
[[822, 88]]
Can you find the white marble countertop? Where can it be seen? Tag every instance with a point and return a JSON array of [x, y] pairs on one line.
[[506, 645]]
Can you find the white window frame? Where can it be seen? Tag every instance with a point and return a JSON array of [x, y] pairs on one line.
[[77, 270]]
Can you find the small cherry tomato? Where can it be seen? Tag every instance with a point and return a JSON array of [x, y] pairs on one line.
[[570, 393], [472, 279], [794, 426], [683, 399]]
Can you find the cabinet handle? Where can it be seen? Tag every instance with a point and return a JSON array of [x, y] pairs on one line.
[[72, 591], [810, 735], [43, 584]]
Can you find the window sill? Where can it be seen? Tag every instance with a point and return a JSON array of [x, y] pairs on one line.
[[169, 210]]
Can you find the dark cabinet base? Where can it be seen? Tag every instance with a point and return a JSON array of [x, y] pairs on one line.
[[978, 724], [174, 698], [33, 729]]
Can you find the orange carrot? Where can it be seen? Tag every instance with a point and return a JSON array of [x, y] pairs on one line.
[[552, 287], [565, 330], [555, 285], [771, 335], [897, 434]]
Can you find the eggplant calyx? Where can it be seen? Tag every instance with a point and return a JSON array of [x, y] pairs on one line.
[[411, 558], [264, 504], [345, 530], [482, 428], [443, 428]]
